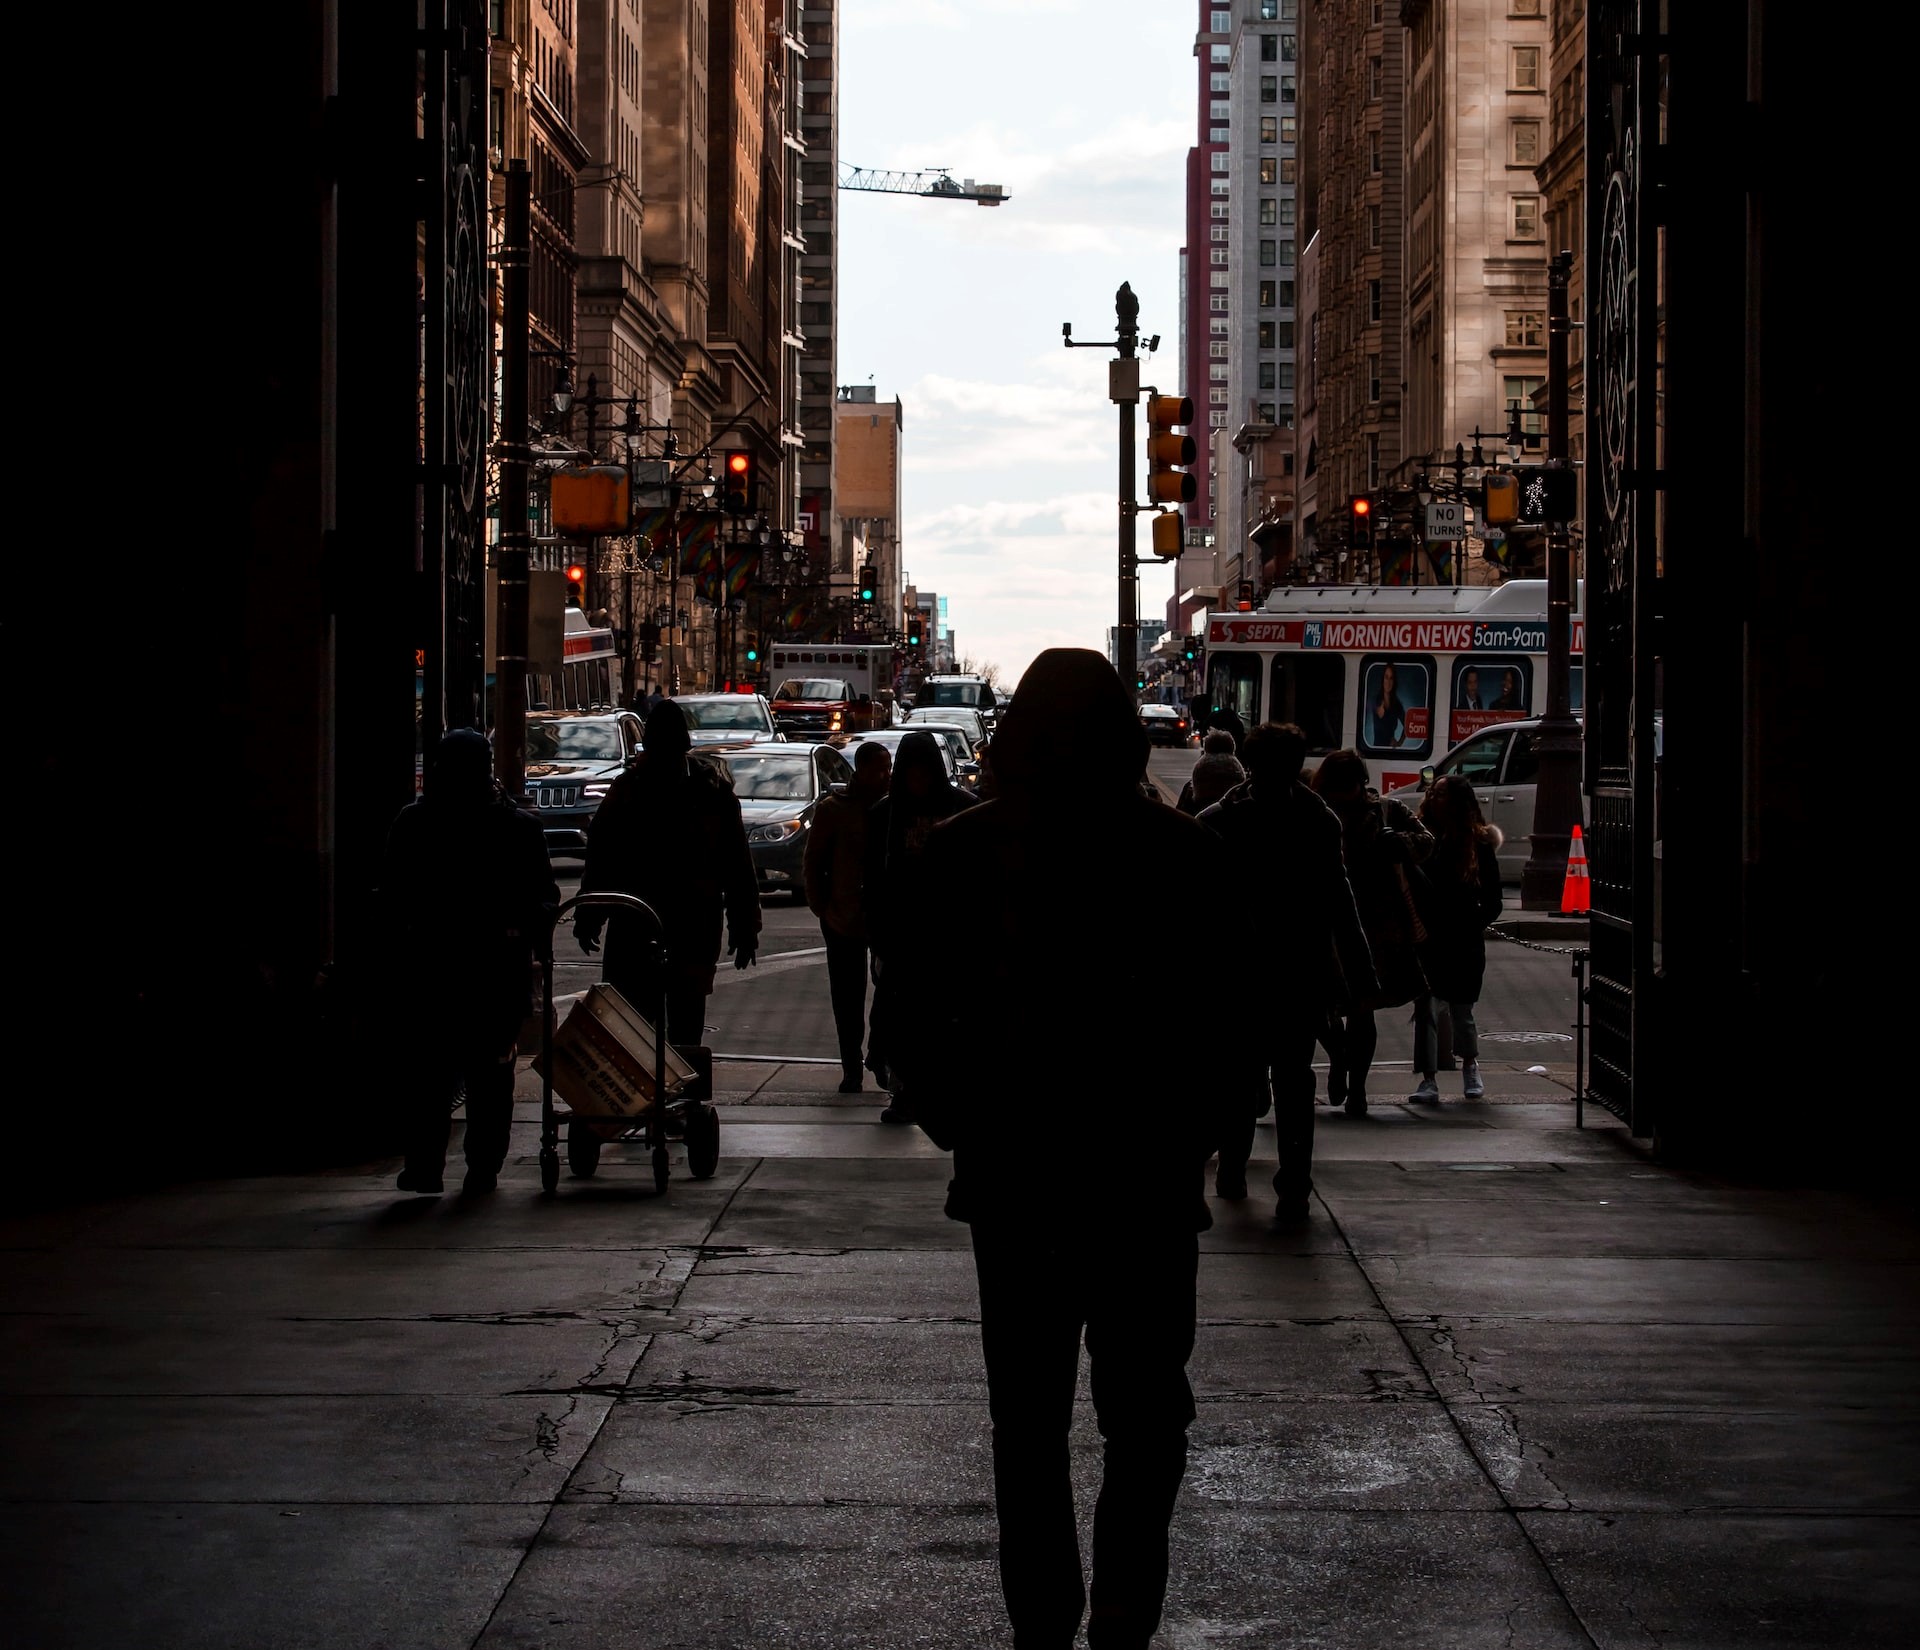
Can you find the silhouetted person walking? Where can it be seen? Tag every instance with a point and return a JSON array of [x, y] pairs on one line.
[[1380, 838], [894, 892], [471, 890], [831, 868], [1458, 894], [1286, 842], [1215, 774], [1079, 1139], [670, 832]]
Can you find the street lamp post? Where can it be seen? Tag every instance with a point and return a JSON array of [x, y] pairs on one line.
[[1556, 807]]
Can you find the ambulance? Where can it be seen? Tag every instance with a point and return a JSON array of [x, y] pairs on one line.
[[1399, 673]]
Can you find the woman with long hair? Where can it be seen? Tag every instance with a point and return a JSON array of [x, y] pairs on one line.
[[1389, 716], [1459, 894], [1379, 839]]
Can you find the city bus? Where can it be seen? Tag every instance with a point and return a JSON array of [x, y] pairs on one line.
[[1399, 673]]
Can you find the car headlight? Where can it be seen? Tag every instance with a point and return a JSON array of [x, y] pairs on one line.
[[596, 791], [783, 831]]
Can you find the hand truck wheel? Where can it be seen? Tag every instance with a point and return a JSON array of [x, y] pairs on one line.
[[583, 1149], [703, 1141], [660, 1169], [549, 1170]]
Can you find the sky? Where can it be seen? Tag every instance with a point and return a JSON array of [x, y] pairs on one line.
[[1085, 112]]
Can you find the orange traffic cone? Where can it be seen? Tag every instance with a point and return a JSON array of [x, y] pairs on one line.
[[1576, 893]]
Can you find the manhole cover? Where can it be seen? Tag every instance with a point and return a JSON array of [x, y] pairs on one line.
[[1526, 1037]]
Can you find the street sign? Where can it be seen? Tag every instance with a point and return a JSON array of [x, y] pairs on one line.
[[1446, 520]]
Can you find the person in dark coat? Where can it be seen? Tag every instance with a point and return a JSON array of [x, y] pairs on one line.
[[1227, 719], [1380, 839], [471, 892], [670, 833], [1215, 774], [894, 893], [831, 868], [1458, 894], [1285, 842], [1078, 1148]]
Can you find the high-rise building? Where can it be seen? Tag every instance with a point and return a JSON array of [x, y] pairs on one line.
[[819, 265], [1252, 345], [1353, 88], [1205, 285], [866, 487], [1476, 247], [1562, 177]]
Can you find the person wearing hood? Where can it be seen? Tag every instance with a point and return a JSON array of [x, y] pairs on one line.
[[1285, 842], [1216, 773], [670, 833], [1458, 894], [1079, 1147], [471, 893], [831, 868], [894, 895]]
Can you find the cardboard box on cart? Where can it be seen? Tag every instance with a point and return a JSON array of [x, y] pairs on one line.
[[603, 1054]]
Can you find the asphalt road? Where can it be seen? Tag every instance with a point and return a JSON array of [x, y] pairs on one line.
[[779, 1010]]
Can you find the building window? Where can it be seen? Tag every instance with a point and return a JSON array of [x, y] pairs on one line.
[[1220, 165], [1287, 210], [1269, 88], [1379, 9], [1269, 129], [1286, 335], [1289, 126], [1525, 329], [1221, 186], [1288, 172], [1373, 462], [1269, 11], [1217, 302], [1218, 277], [1219, 134], [1523, 71], [1222, 82], [1287, 91], [1222, 54], [1373, 153], [1266, 334], [1217, 395], [1373, 80], [1218, 371], [1523, 142], [1222, 23], [1269, 169], [1266, 375], [1218, 255], [1286, 295], [1286, 253], [1266, 295], [1217, 349], [1286, 375], [1221, 109], [1267, 254], [1373, 226], [1523, 8], [1373, 378], [1269, 48], [1373, 300], [1219, 209], [1269, 210], [1289, 48], [1526, 217], [1219, 232], [1519, 392], [1217, 328]]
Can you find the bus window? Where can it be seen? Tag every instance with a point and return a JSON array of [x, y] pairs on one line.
[[1311, 690], [1233, 683], [1576, 688], [1396, 705], [1488, 688]]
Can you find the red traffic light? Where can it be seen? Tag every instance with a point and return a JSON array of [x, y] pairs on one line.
[[737, 463], [1363, 506], [577, 574]]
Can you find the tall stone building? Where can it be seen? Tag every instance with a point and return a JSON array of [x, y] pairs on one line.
[[1252, 347], [866, 486], [1562, 177], [1353, 202], [1476, 252], [816, 302], [1204, 311]]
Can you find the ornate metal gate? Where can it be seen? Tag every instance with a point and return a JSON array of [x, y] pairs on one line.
[[1625, 477], [454, 354]]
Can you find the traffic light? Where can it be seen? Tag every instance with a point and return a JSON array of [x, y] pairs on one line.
[[1167, 482], [1502, 498], [1548, 496], [576, 585], [1359, 522], [1167, 534], [753, 650], [866, 584], [913, 632], [736, 482], [1189, 650]]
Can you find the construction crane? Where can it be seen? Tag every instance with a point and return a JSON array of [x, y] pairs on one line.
[[934, 184]]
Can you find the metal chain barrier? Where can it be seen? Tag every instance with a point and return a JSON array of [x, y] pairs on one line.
[[1535, 945]]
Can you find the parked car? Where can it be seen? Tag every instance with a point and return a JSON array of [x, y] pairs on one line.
[[1165, 724], [572, 759], [717, 720], [780, 787]]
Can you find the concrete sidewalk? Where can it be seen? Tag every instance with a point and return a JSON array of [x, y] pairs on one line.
[[1514, 1386]]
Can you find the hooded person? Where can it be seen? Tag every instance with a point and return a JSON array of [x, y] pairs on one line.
[[894, 892], [832, 867], [471, 893], [1065, 1128], [1216, 773], [670, 833]]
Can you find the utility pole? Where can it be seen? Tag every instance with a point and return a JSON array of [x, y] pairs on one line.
[[512, 642], [1123, 389], [1556, 807]]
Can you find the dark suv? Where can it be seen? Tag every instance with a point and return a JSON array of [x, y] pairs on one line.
[[571, 760]]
